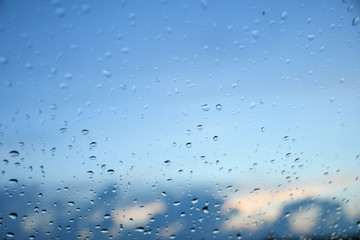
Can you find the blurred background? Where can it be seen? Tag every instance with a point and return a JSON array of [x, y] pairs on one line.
[[184, 119]]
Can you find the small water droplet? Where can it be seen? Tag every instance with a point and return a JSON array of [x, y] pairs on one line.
[[167, 162], [90, 173], [107, 216], [92, 144], [287, 214], [188, 145], [283, 15], [111, 171], [199, 127], [256, 190], [204, 4], [13, 215], [164, 194], [215, 231], [92, 158], [218, 107], [205, 209], [106, 73], [255, 34], [310, 37], [104, 230], [286, 138], [263, 129], [176, 203], [358, 224], [215, 138], [71, 203], [205, 107], [355, 21], [62, 130], [32, 237], [85, 132], [14, 153], [342, 80]]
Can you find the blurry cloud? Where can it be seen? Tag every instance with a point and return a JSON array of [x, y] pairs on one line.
[[137, 215]]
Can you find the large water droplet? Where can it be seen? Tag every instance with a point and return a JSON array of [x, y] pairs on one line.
[[10, 234], [13, 181], [14, 153], [139, 229], [13, 215]]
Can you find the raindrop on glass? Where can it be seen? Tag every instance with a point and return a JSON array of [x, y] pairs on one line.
[[218, 107], [14, 153], [13, 215], [106, 73], [85, 132], [205, 107]]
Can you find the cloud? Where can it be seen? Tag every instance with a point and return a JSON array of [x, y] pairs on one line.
[[138, 215]]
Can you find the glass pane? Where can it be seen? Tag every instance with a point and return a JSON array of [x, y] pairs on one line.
[[179, 119]]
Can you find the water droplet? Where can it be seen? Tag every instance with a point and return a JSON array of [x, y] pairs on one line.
[[106, 73], [194, 201], [358, 224], [104, 230], [215, 231], [68, 76], [13, 181], [13, 215], [355, 21], [111, 171], [215, 138], [90, 173], [92, 158], [188, 145], [62, 130], [71, 203], [286, 138], [218, 107], [92, 144], [238, 236], [256, 190], [107, 216], [263, 129], [310, 37], [139, 229], [60, 12], [283, 15], [205, 209], [14, 153], [164, 194], [85, 132], [32, 237], [167, 162], [204, 4], [176, 203], [342, 80], [255, 34], [10, 234], [287, 214], [288, 155], [205, 107], [199, 127]]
